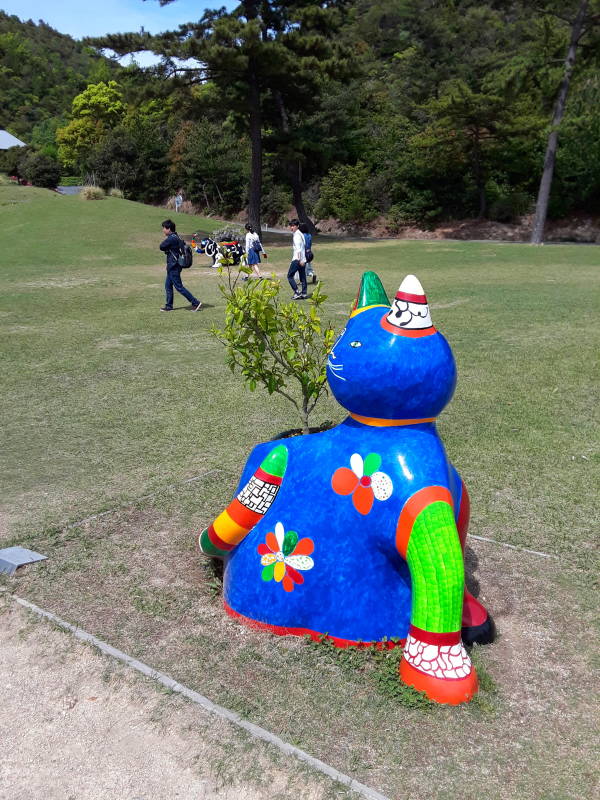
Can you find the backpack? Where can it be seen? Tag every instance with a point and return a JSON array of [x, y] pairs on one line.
[[257, 246], [185, 257], [308, 253]]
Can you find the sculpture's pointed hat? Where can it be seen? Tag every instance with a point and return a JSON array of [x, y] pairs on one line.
[[409, 315], [370, 293]]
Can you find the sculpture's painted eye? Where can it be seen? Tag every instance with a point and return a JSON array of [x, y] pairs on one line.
[[355, 344]]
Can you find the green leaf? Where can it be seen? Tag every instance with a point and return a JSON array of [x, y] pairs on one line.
[[290, 540], [267, 572], [372, 463]]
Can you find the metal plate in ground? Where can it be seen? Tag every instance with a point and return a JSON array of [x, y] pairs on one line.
[[13, 557]]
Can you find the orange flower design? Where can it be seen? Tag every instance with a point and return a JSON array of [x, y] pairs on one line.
[[363, 481]]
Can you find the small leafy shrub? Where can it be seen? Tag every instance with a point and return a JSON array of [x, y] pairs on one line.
[[11, 159], [115, 193], [281, 346], [40, 170], [91, 193]]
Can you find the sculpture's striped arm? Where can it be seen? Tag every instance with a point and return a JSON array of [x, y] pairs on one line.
[[245, 510]]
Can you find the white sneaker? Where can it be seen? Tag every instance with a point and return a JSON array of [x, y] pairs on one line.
[[296, 296]]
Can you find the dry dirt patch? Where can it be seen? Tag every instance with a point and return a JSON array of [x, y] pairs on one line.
[[135, 580], [77, 726]]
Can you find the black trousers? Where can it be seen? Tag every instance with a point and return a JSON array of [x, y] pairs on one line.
[[296, 268]]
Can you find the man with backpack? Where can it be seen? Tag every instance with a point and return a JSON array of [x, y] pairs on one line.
[[172, 246]]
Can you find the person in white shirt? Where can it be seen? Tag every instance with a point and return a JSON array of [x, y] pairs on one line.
[[298, 264], [254, 249]]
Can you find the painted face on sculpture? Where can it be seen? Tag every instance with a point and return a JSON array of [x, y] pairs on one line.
[[390, 362]]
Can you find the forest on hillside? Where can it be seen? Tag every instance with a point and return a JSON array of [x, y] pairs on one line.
[[411, 110], [41, 71]]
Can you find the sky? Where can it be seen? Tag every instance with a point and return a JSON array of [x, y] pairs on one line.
[[79, 18]]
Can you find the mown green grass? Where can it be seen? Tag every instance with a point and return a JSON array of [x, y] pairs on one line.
[[106, 401]]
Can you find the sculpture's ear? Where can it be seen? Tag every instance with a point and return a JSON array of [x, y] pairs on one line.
[[409, 315], [370, 293]]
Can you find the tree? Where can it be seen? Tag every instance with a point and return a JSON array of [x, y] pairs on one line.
[[308, 51], [95, 111], [43, 136], [345, 195], [133, 155], [100, 102], [40, 72], [472, 128], [459, 98], [576, 182], [580, 25], [76, 142], [280, 346], [265, 58], [211, 161]]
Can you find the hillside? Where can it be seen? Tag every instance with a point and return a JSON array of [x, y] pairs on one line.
[[41, 70], [413, 121]]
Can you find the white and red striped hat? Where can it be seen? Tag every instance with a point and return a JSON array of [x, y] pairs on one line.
[[410, 310]]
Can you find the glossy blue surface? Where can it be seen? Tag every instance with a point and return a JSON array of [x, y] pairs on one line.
[[376, 373], [359, 586]]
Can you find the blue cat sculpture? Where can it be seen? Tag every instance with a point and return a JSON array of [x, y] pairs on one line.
[[358, 532]]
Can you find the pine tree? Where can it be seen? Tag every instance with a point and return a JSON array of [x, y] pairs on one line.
[[267, 59], [580, 24]]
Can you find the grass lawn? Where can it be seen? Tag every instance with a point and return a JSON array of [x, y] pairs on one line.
[[108, 404]]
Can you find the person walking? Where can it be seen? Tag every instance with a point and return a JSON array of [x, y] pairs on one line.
[[178, 200], [254, 249], [298, 264], [310, 270], [171, 247]]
